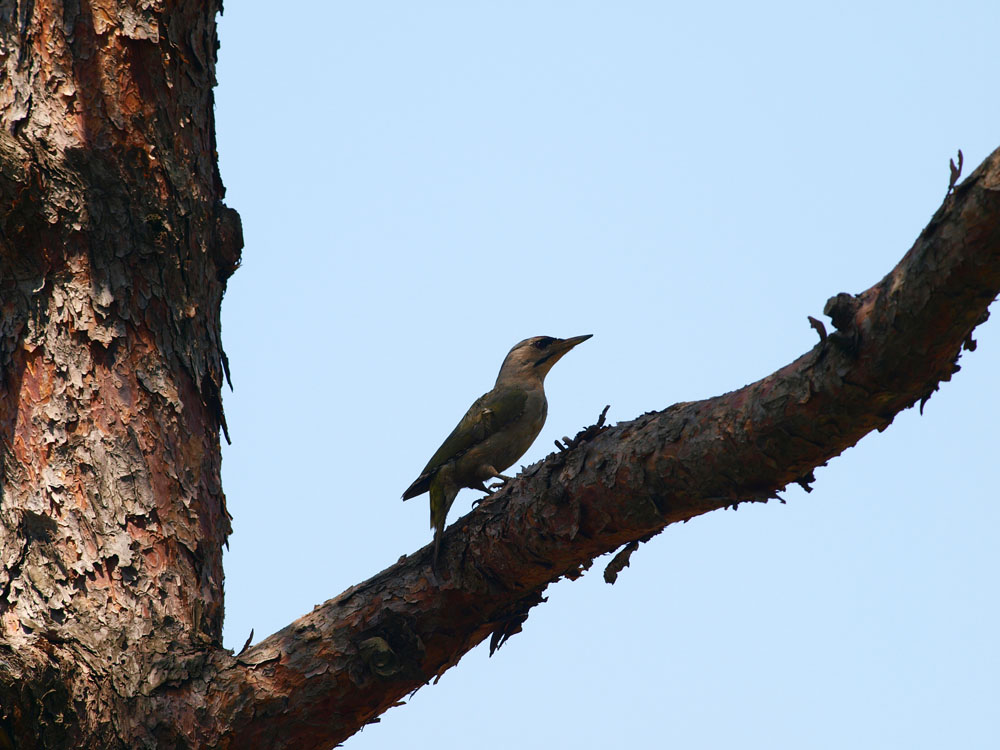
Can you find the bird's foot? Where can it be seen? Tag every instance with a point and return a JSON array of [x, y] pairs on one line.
[[489, 490], [497, 485]]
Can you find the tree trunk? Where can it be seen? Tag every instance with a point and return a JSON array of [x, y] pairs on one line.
[[115, 249], [115, 252]]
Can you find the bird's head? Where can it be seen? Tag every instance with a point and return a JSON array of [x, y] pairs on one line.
[[534, 357]]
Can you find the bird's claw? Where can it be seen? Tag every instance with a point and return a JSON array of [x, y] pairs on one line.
[[497, 485]]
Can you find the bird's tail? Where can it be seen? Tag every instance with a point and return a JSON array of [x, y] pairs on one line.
[[442, 496], [437, 549]]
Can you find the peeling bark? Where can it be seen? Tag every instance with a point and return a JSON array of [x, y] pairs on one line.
[[115, 248], [112, 269]]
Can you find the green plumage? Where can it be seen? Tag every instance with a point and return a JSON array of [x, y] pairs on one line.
[[490, 413], [496, 430]]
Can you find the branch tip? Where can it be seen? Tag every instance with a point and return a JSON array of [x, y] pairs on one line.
[[956, 172], [247, 644], [818, 326], [587, 433]]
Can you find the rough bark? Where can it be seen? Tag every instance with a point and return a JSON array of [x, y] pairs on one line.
[[114, 250], [114, 253]]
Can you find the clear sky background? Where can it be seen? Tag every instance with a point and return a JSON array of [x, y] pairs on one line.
[[422, 185]]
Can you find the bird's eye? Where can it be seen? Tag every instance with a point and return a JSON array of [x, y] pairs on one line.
[[544, 342]]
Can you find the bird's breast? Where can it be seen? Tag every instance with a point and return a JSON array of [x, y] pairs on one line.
[[507, 445]]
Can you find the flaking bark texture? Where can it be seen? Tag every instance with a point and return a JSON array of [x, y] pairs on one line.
[[114, 250], [114, 253]]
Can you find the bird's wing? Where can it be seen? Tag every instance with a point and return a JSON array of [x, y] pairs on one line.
[[488, 415]]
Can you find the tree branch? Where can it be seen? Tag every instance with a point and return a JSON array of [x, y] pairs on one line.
[[320, 679]]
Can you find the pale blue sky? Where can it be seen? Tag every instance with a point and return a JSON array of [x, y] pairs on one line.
[[424, 184]]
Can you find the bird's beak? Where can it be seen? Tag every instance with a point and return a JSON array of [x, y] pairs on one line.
[[566, 344], [557, 349]]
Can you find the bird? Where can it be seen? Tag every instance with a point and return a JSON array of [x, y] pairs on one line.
[[497, 429]]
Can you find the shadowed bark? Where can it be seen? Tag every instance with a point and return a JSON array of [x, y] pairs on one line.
[[115, 248]]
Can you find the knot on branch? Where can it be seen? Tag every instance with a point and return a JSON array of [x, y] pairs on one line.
[[843, 310], [227, 243], [391, 649], [379, 657]]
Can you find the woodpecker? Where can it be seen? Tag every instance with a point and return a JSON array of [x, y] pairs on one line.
[[496, 430]]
